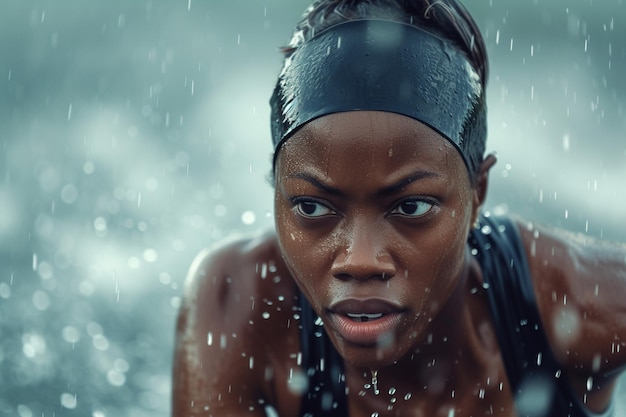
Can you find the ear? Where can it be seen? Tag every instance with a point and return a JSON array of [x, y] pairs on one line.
[[481, 184]]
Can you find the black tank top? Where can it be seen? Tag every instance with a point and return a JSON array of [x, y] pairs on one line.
[[539, 387]]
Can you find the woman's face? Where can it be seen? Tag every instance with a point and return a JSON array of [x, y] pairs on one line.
[[372, 213]]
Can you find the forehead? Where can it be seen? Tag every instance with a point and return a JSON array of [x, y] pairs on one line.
[[372, 141]]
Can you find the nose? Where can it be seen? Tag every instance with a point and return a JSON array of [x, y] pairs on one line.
[[363, 256]]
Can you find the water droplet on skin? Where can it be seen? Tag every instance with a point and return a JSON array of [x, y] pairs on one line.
[[596, 362], [567, 324], [266, 315], [589, 384]]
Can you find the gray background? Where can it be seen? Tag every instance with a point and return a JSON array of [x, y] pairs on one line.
[[135, 133]]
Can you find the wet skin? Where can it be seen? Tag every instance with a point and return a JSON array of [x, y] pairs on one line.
[[372, 215], [373, 207]]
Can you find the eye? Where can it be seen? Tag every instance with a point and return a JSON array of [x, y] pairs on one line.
[[311, 209], [413, 208]]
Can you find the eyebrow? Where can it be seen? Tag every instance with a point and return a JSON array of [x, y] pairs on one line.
[[316, 182], [388, 190], [404, 182]]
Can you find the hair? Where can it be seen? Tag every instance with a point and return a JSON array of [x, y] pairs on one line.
[[448, 19]]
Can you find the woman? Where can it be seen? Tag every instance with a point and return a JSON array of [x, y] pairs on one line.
[[384, 290]]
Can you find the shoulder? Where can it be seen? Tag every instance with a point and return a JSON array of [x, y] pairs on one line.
[[236, 282], [237, 302], [234, 269], [580, 287]]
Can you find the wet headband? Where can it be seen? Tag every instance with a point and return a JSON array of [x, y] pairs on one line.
[[384, 66]]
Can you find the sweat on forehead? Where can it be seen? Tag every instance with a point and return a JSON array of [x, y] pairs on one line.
[[382, 66]]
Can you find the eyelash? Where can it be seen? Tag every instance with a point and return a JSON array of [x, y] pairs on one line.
[[296, 203]]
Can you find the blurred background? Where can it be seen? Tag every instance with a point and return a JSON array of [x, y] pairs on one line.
[[134, 133]]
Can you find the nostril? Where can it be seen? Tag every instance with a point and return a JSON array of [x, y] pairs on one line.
[[363, 276], [342, 276]]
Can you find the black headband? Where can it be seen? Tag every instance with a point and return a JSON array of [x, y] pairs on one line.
[[384, 66]]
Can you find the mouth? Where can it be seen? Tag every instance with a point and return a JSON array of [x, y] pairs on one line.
[[364, 317], [366, 322]]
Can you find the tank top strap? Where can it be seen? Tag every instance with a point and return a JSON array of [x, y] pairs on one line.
[[325, 393], [539, 386]]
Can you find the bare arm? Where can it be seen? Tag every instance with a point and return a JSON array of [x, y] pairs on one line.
[[237, 340]]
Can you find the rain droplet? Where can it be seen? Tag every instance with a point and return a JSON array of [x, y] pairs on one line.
[[69, 194], [248, 218], [68, 400], [266, 315], [100, 342], [24, 411], [41, 300], [100, 224], [71, 334], [150, 255], [5, 291], [116, 378], [566, 143]]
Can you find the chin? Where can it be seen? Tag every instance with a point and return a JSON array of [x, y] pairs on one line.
[[372, 357]]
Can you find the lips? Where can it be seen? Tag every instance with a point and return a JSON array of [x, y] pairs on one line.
[[365, 322]]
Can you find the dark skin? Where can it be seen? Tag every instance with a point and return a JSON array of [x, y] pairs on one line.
[[376, 207]]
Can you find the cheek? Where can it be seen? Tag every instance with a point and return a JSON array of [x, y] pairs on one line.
[[293, 242], [449, 261]]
